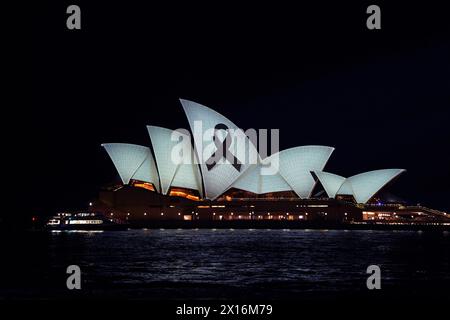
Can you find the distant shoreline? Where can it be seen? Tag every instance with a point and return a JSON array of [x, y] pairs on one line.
[[288, 225]]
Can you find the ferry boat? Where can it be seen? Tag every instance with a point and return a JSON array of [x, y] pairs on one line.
[[84, 221]]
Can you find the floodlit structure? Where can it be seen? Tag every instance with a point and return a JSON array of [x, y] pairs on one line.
[[362, 186], [173, 174], [295, 165], [133, 162], [234, 184], [253, 180], [219, 178], [331, 183]]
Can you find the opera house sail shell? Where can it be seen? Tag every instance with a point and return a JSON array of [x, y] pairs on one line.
[[172, 174], [219, 178], [331, 183], [362, 186], [241, 167], [295, 166], [133, 162], [162, 146], [254, 181], [297, 163]]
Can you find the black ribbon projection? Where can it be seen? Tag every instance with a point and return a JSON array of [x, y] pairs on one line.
[[223, 148]]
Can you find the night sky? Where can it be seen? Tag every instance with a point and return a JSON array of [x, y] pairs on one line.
[[380, 97]]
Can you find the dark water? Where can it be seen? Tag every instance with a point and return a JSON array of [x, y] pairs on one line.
[[224, 264]]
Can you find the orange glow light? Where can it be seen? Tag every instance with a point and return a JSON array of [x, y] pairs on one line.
[[184, 195], [145, 185]]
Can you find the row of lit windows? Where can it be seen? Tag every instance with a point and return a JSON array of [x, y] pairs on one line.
[[280, 217], [85, 221], [252, 206], [232, 213]]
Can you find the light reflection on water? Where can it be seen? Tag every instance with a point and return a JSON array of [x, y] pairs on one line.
[[202, 263]]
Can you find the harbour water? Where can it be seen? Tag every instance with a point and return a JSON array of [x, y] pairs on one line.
[[224, 264]]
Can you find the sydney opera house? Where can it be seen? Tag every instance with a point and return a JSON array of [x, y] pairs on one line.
[[153, 188]]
